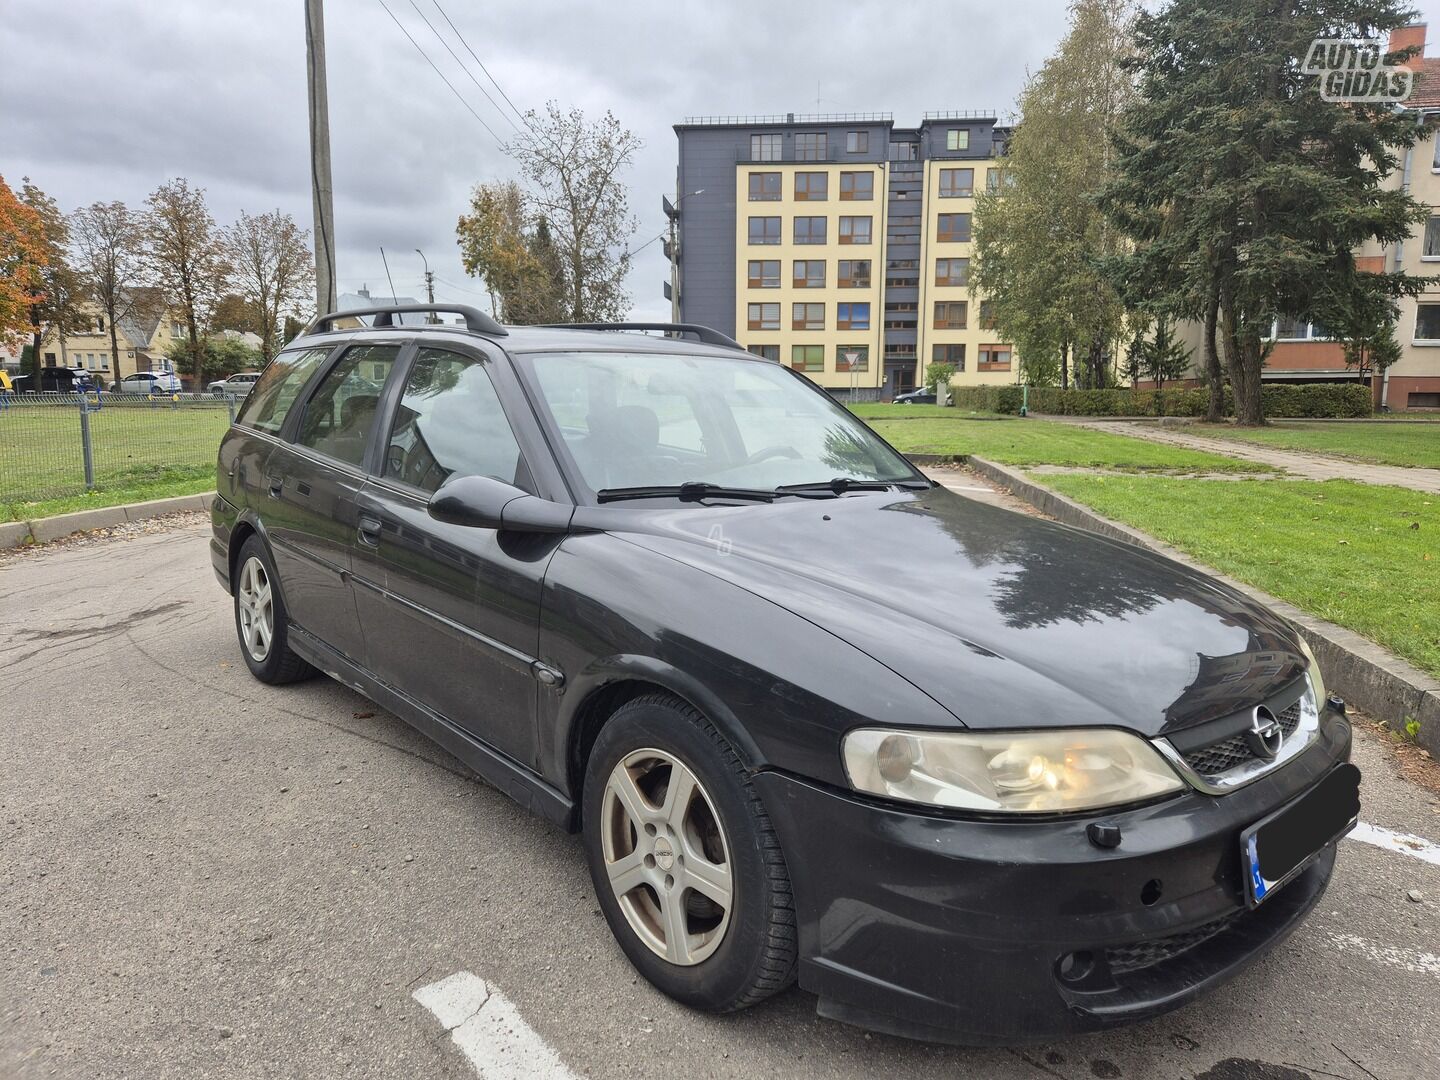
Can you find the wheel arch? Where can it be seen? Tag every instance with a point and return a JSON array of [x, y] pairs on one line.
[[609, 685]]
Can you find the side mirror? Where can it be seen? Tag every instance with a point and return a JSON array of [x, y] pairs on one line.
[[482, 502]]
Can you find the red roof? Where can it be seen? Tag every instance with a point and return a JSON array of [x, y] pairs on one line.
[[1427, 83]]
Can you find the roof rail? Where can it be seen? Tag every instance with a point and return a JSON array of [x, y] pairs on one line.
[[704, 333], [476, 321]]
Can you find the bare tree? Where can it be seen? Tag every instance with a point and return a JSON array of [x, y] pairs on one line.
[[574, 167], [107, 240], [274, 269], [186, 252]]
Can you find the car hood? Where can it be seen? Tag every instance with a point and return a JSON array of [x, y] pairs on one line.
[[1006, 620]]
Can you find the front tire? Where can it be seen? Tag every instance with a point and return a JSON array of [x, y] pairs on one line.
[[683, 858], [260, 620]]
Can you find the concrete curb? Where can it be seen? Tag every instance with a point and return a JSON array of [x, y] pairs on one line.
[[1363, 673], [15, 534]]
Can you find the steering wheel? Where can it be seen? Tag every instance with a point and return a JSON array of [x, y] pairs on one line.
[[768, 452]]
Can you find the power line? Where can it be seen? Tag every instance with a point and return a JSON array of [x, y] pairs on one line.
[[483, 68], [647, 243], [446, 81], [463, 66]]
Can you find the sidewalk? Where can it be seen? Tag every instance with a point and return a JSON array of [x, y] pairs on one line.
[[1309, 466]]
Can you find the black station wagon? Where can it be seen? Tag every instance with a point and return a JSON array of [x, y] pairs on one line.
[[966, 774]]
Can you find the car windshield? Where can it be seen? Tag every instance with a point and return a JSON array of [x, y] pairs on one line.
[[660, 420]]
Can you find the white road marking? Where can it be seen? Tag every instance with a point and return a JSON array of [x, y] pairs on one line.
[[490, 1031], [1390, 840], [1422, 963]]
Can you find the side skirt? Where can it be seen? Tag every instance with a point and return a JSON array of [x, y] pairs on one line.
[[522, 784]]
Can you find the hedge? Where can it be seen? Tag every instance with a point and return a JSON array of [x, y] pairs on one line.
[[1312, 400]]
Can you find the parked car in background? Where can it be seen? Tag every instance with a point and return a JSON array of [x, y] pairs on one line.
[[925, 395], [237, 385], [56, 380], [148, 382]]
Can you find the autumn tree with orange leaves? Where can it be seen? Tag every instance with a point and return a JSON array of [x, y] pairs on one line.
[[24, 257]]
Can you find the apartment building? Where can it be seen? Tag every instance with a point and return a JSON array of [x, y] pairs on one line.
[[838, 244], [142, 340]]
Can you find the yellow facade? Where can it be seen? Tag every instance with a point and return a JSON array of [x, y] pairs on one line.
[[90, 348], [943, 200], [831, 339]]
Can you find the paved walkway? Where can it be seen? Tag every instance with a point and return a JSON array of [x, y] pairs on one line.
[[1310, 466]]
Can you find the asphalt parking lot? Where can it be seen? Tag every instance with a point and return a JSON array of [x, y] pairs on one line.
[[205, 876]]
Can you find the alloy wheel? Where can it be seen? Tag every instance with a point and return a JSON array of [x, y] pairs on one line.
[[666, 856], [256, 607]]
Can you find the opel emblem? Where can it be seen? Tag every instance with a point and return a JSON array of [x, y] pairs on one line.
[[665, 854], [1264, 735]]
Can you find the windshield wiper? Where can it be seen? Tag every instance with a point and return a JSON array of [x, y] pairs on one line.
[[841, 484], [691, 491]]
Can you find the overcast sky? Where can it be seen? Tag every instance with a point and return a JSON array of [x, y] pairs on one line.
[[104, 99]]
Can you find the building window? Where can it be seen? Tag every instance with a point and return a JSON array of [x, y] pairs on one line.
[[764, 187], [768, 352], [807, 316], [857, 186], [957, 183], [993, 358], [902, 264], [765, 230], [809, 230], [854, 273], [810, 146], [809, 274], [852, 316], [862, 358], [855, 230], [763, 273], [957, 139], [1427, 322], [952, 271], [951, 314], [904, 151], [954, 229], [765, 147], [986, 320], [1431, 250], [857, 142], [949, 354], [807, 357], [1297, 330], [763, 316], [995, 179], [812, 186]]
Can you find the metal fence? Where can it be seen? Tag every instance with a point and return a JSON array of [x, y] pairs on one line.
[[58, 445]]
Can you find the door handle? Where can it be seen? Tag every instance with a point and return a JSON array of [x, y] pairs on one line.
[[369, 530], [276, 484]]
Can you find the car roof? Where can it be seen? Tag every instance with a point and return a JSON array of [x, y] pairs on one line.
[[539, 339]]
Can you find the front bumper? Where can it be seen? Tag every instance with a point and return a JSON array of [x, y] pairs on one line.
[[956, 930]]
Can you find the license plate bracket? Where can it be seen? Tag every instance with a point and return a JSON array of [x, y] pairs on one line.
[[1279, 846]]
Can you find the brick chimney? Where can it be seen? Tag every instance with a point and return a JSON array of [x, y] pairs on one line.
[[1405, 37]]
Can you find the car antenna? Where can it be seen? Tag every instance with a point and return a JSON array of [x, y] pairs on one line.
[[393, 298]]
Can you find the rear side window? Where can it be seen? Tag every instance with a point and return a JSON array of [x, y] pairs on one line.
[[450, 424], [275, 391], [340, 413]]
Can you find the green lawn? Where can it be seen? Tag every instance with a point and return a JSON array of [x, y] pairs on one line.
[[1345, 551], [1042, 442], [1382, 442], [881, 411], [141, 451]]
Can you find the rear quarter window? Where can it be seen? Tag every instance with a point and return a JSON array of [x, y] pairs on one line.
[[275, 391]]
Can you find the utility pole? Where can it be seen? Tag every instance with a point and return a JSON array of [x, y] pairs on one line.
[[429, 286], [320, 185]]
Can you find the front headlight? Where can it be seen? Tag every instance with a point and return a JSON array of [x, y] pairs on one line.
[[1016, 771], [1317, 683]]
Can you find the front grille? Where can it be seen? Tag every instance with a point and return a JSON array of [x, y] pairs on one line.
[[1143, 954], [1229, 753]]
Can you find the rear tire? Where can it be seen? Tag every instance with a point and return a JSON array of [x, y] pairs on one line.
[[261, 622], [662, 866]]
